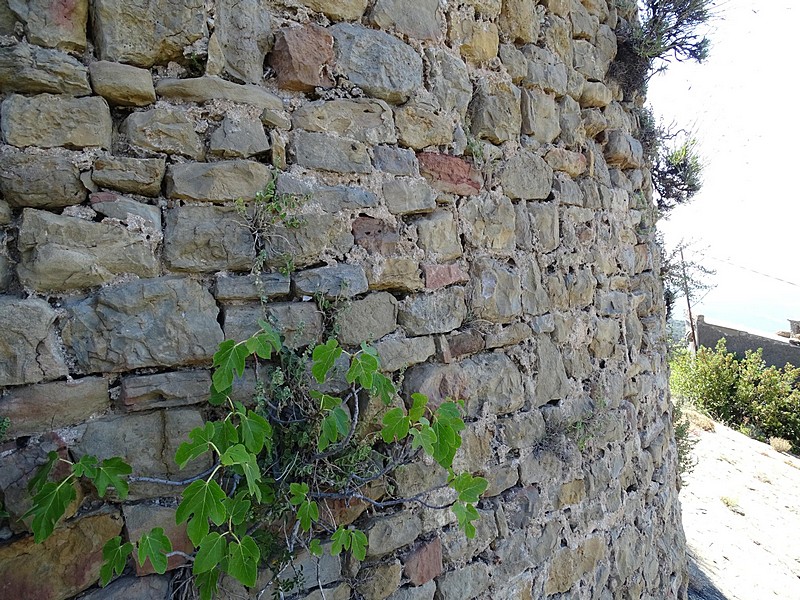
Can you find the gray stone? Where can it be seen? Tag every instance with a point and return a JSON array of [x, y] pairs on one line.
[[279, 119], [146, 32], [545, 70], [510, 335], [5, 212], [387, 534], [165, 390], [122, 85], [166, 130], [407, 196], [332, 198], [338, 10], [419, 127], [438, 236], [415, 18], [338, 281], [535, 299], [152, 587], [395, 161], [623, 150], [400, 353], [523, 430], [39, 181], [527, 176], [299, 322], [238, 138], [29, 69], [133, 213], [318, 571], [495, 112], [242, 30], [440, 312], [593, 61], [49, 406], [330, 153], [377, 62], [545, 225], [456, 547], [423, 592], [131, 175], [540, 116], [53, 25], [519, 21], [464, 584], [340, 592], [361, 119], [222, 181], [28, 345], [514, 61], [449, 81], [551, 378], [64, 253], [204, 239], [8, 20], [490, 223], [49, 121], [317, 235], [394, 273], [477, 40], [208, 88], [377, 582], [160, 322], [367, 320], [496, 293], [251, 287], [584, 25], [595, 95]]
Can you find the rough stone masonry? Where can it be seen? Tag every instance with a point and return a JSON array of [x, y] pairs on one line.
[[474, 198]]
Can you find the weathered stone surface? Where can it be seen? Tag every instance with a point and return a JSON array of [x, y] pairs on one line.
[[144, 217], [361, 119], [251, 287], [5, 210], [449, 174], [623, 150], [54, 24], [146, 323], [551, 378], [299, 322], [64, 253], [242, 38], [340, 592], [330, 153], [131, 175], [495, 112], [394, 273], [63, 565], [152, 587], [49, 121], [545, 225], [407, 196], [401, 353], [540, 116], [490, 223], [207, 88], [545, 70], [438, 236], [368, 319], [424, 563], [569, 564], [572, 163], [595, 95], [468, 582], [523, 430], [238, 138], [165, 390], [377, 62], [415, 18], [338, 10], [438, 276], [146, 32], [318, 235], [496, 293], [49, 406], [122, 85], [440, 312], [387, 534], [28, 347], [449, 81], [301, 58], [527, 176], [375, 235], [332, 199], [379, 581], [141, 518], [29, 69], [423, 592], [514, 61], [419, 127], [477, 40], [395, 161], [222, 181], [39, 181], [339, 281], [8, 20], [165, 130], [206, 239], [519, 21]]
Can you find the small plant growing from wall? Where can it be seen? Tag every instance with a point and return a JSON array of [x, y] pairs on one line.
[[276, 462]]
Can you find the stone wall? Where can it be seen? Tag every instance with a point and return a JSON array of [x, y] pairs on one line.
[[475, 202], [777, 352]]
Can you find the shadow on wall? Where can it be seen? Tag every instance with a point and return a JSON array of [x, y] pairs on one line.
[[700, 586]]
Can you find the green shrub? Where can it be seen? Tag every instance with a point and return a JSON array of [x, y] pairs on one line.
[[746, 394], [684, 440]]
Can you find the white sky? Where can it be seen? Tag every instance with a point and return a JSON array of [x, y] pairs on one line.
[[741, 104]]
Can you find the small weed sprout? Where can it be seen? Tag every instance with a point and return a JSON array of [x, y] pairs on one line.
[[780, 445]]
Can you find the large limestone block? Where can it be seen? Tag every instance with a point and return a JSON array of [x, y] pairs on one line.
[[477, 40], [239, 138], [222, 181], [165, 390], [438, 236], [570, 565], [207, 88], [440, 312], [40, 181], [204, 239], [551, 378], [545, 70], [495, 112], [66, 253], [490, 223], [540, 116], [318, 235], [338, 10], [300, 323], [52, 24], [146, 32], [407, 196], [449, 80], [519, 21], [49, 406], [49, 121], [330, 153], [361, 119], [160, 322], [29, 69], [377, 62], [122, 85], [623, 150], [496, 293], [367, 320], [527, 176], [131, 175], [166, 130], [545, 225], [419, 19], [28, 345], [63, 565], [419, 127], [337, 281], [242, 34]]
